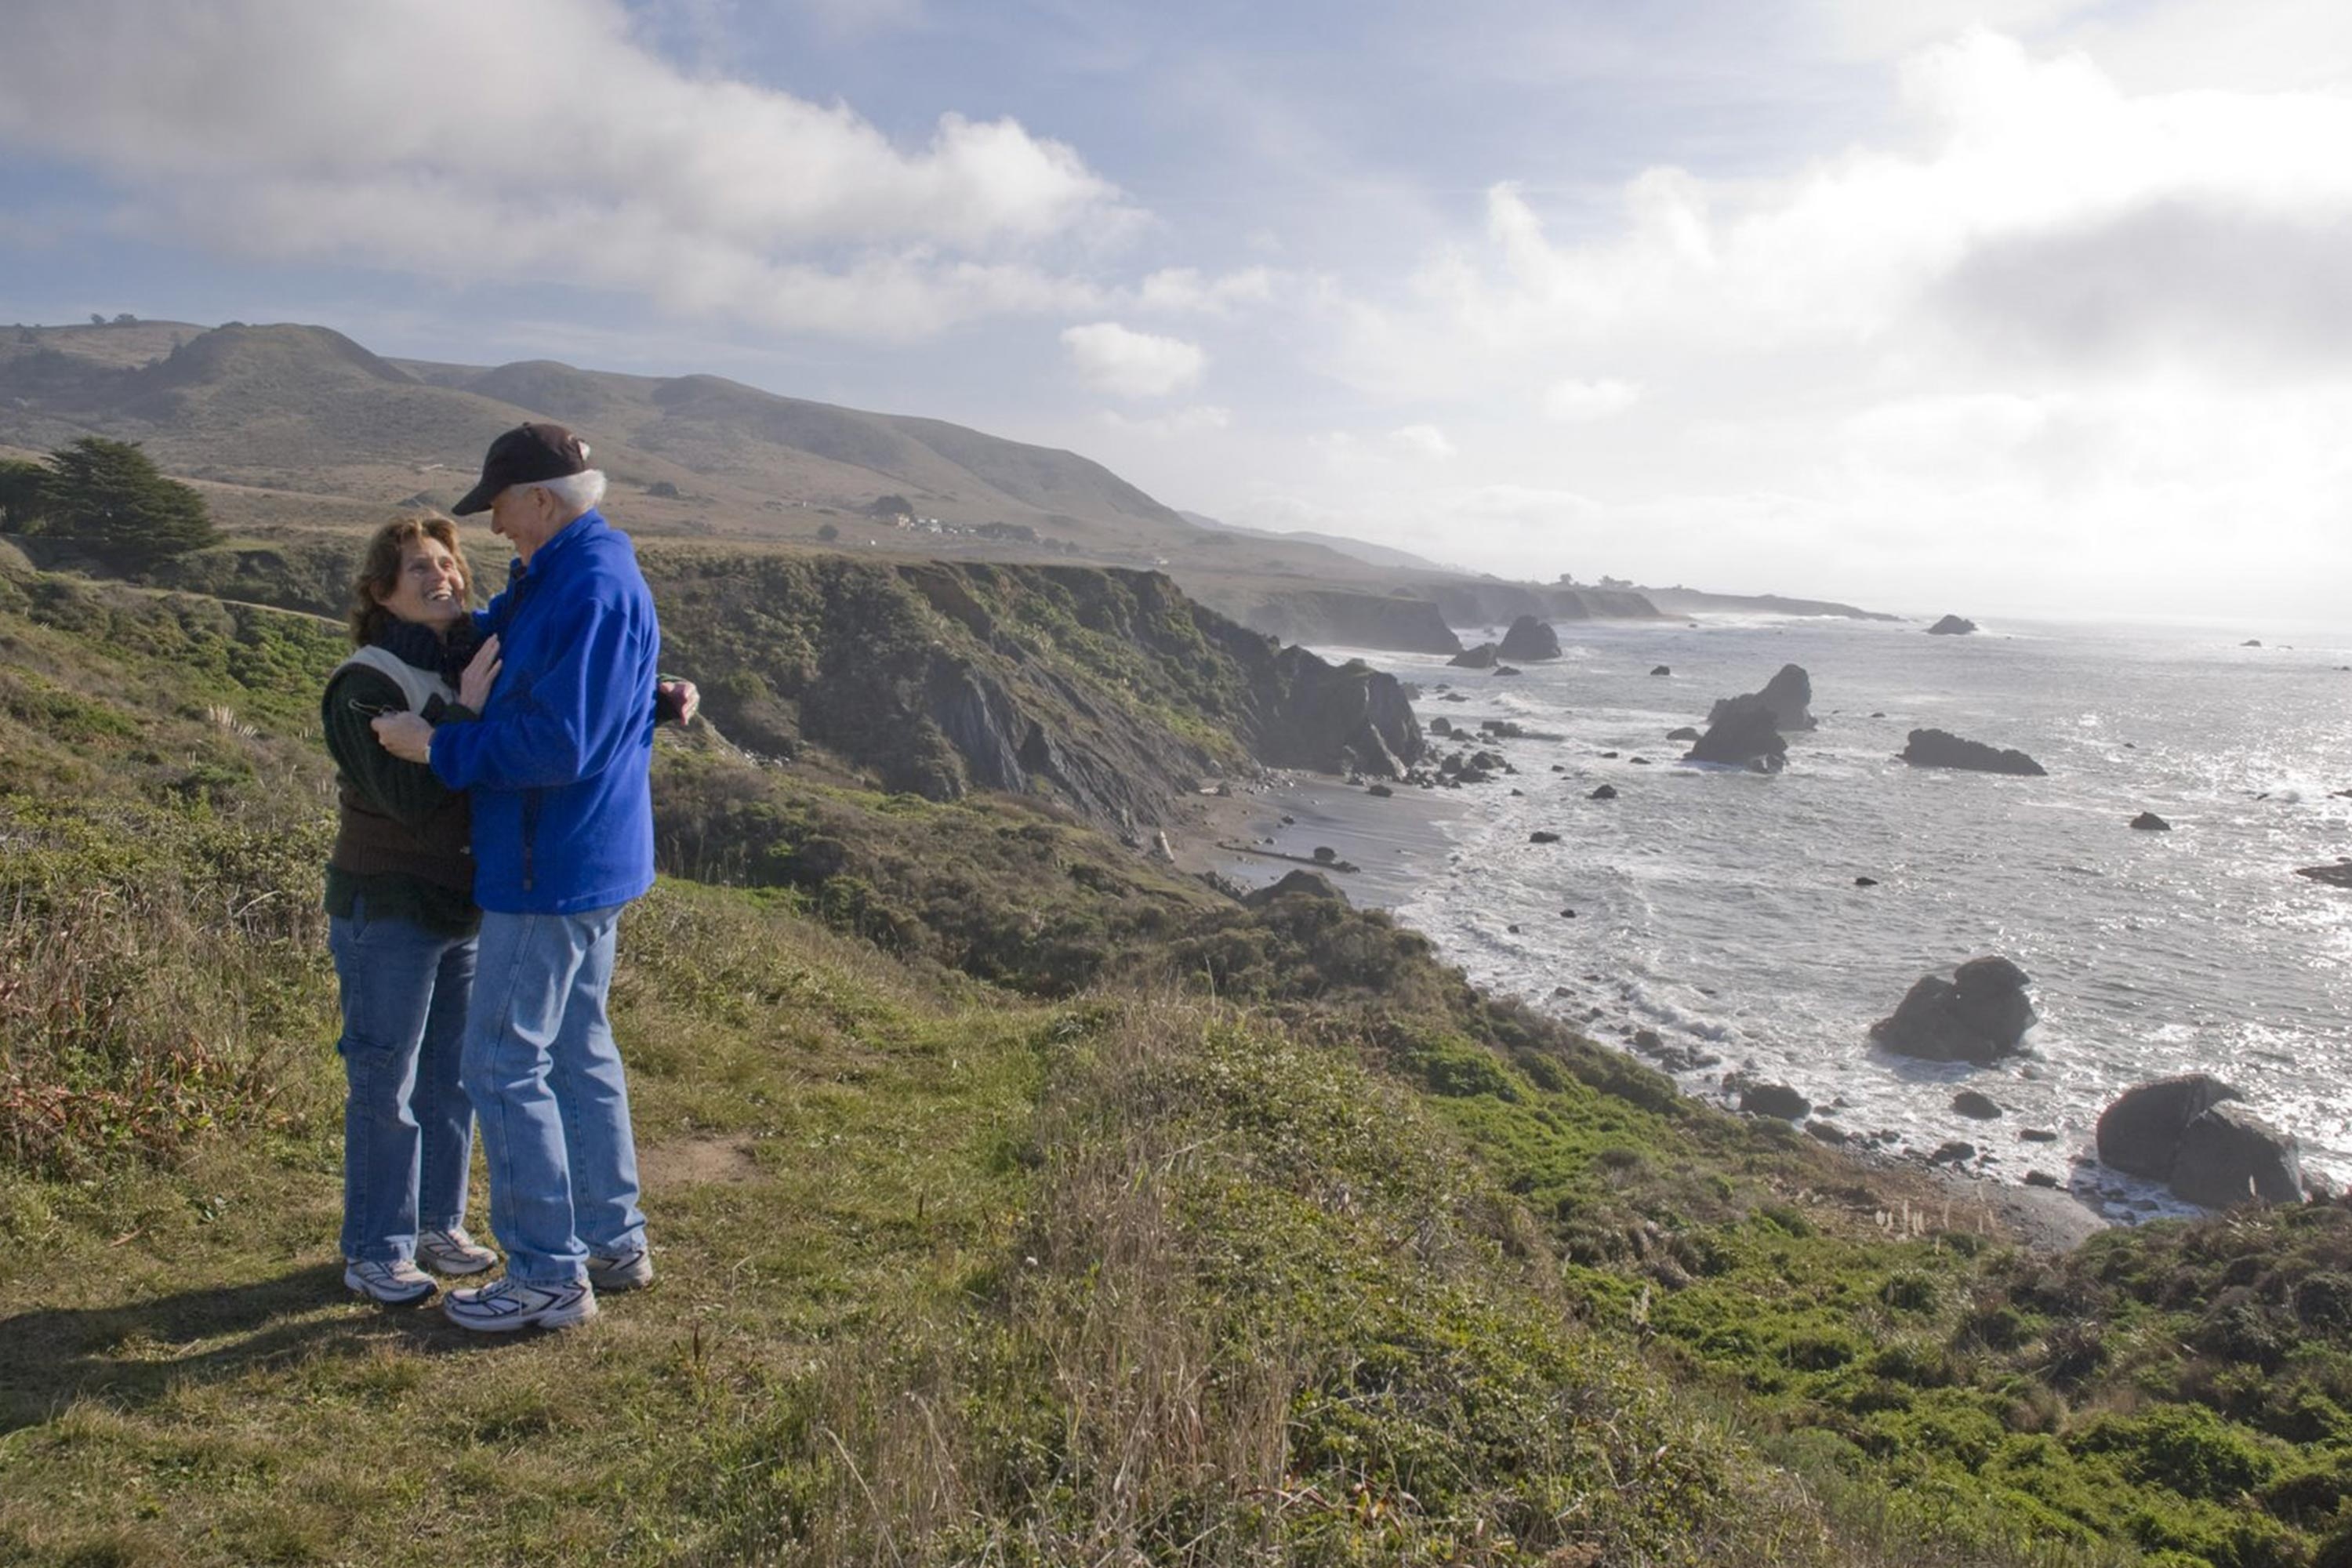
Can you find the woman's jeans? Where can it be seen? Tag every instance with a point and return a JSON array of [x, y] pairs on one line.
[[545, 1077], [408, 1131]]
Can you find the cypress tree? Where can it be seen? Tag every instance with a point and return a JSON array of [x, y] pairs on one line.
[[20, 494], [108, 497]]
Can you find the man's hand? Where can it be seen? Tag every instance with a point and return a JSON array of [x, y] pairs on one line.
[[678, 701], [474, 686], [405, 735]]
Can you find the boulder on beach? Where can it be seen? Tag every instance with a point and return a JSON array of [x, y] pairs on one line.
[[2140, 1133], [1742, 733], [1530, 638], [1942, 749], [2230, 1156], [1295, 884], [1775, 1100], [1952, 627], [1482, 657], [2149, 821], [1978, 1015], [1787, 697]]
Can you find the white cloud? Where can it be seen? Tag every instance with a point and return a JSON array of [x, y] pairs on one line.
[[1182, 288], [2045, 326], [1574, 402], [539, 140], [1127, 364], [1423, 441], [1198, 420]]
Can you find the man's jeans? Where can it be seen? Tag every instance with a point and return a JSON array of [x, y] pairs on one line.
[[408, 1131], [545, 1078]]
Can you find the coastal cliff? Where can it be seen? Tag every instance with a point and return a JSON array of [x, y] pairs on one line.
[[970, 1138]]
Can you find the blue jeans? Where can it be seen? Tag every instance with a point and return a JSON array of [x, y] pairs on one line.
[[408, 1131], [545, 1078]]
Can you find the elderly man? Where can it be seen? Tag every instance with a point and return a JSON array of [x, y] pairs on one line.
[[558, 765]]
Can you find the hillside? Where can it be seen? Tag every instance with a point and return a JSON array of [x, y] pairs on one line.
[[305, 410], [291, 429], [1017, 1200]]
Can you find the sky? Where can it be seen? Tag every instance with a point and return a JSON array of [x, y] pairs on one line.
[[1992, 306]]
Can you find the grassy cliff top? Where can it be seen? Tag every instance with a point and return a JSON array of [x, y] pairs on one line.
[[1015, 1201]]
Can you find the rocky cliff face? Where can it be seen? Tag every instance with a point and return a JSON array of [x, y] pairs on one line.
[[1107, 690]]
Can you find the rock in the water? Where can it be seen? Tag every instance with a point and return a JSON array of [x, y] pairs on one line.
[[1660, 669], [1958, 1151], [1530, 638], [2230, 1156], [1440, 725], [1505, 670], [1482, 657], [2336, 876], [1978, 1015], [1787, 695], [1606, 792], [1775, 1100], [1972, 1103], [2149, 821], [1682, 732], [2039, 1179], [2037, 1135], [1543, 835], [1378, 791], [1866, 882], [1301, 884], [1829, 1132], [1952, 627], [1325, 855], [2251, 642], [1742, 733], [2140, 1133], [1941, 749]]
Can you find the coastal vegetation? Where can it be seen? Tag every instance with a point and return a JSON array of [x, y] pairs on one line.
[[1018, 1200]]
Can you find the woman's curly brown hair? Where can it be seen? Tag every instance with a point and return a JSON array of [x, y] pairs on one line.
[[380, 571]]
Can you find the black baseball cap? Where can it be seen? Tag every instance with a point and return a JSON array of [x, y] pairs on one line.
[[525, 455]]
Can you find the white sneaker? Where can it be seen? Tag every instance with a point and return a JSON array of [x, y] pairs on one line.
[[452, 1251], [629, 1269], [397, 1283], [510, 1304]]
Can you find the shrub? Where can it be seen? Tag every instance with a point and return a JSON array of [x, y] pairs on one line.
[[2184, 1448]]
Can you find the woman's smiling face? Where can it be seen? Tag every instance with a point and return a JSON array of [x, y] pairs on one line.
[[431, 588]]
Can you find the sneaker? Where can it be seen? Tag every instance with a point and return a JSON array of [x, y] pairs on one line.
[[452, 1251], [396, 1283], [631, 1269], [511, 1304]]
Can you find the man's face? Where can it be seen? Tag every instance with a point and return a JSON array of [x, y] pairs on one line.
[[525, 515]]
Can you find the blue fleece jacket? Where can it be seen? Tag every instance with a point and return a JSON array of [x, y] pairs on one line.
[[559, 762]]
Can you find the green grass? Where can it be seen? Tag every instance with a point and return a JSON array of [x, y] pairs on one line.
[[1017, 1203]]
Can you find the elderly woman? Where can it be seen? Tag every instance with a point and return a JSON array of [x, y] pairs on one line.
[[400, 895]]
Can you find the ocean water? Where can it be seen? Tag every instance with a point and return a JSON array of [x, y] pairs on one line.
[[1719, 908]]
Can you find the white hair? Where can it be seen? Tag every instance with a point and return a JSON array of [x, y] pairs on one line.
[[579, 493]]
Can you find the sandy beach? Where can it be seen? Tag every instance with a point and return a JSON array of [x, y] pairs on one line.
[[1272, 826]]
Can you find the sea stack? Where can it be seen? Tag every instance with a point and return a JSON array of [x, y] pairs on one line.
[[1942, 749], [1530, 638], [1978, 1015], [1952, 627], [1787, 697]]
